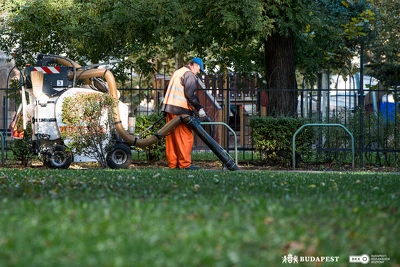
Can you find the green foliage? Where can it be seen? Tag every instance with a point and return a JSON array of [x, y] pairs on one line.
[[229, 34], [226, 33], [16, 93], [89, 124], [161, 217], [155, 151], [272, 138], [375, 129], [22, 148], [358, 27], [383, 45], [328, 40]]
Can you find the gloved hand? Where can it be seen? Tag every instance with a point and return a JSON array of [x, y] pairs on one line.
[[202, 113]]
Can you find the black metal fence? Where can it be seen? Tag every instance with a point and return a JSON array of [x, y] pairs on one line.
[[372, 116]]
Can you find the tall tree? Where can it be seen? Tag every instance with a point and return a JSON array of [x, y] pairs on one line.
[[279, 48]]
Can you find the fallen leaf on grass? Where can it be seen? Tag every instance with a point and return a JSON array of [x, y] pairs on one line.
[[292, 246], [196, 187], [268, 220]]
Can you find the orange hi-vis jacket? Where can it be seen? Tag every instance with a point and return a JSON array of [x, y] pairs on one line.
[[175, 94]]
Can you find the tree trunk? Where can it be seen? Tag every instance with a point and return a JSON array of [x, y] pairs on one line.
[[280, 75]]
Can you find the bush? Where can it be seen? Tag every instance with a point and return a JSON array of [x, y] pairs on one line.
[[22, 148], [272, 138], [155, 151], [89, 125]]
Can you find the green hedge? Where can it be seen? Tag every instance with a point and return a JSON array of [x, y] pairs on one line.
[[272, 138]]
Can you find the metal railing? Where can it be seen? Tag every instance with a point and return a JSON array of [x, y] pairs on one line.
[[322, 125], [233, 133]]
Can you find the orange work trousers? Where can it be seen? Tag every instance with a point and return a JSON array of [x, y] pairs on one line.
[[179, 145]]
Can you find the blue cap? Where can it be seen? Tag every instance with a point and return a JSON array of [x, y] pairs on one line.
[[198, 61]]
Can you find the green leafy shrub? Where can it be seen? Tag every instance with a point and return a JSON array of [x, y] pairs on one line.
[[143, 126], [89, 125], [22, 148], [376, 130], [272, 138]]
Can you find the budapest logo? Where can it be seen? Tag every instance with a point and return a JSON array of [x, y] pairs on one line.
[[298, 259], [290, 259]]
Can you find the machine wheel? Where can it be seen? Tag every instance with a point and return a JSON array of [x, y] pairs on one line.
[[120, 157], [59, 158]]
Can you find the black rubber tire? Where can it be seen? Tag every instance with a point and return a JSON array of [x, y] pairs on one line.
[[120, 157], [59, 158]]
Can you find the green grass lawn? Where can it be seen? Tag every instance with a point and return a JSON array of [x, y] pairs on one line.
[[161, 217]]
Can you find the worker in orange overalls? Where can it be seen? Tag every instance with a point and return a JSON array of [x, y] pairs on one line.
[[180, 98]]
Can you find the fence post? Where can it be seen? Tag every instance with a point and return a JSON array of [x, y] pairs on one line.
[[4, 116], [2, 148], [362, 104], [241, 123]]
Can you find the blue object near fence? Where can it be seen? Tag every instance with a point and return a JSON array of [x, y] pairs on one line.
[[388, 111], [387, 108]]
